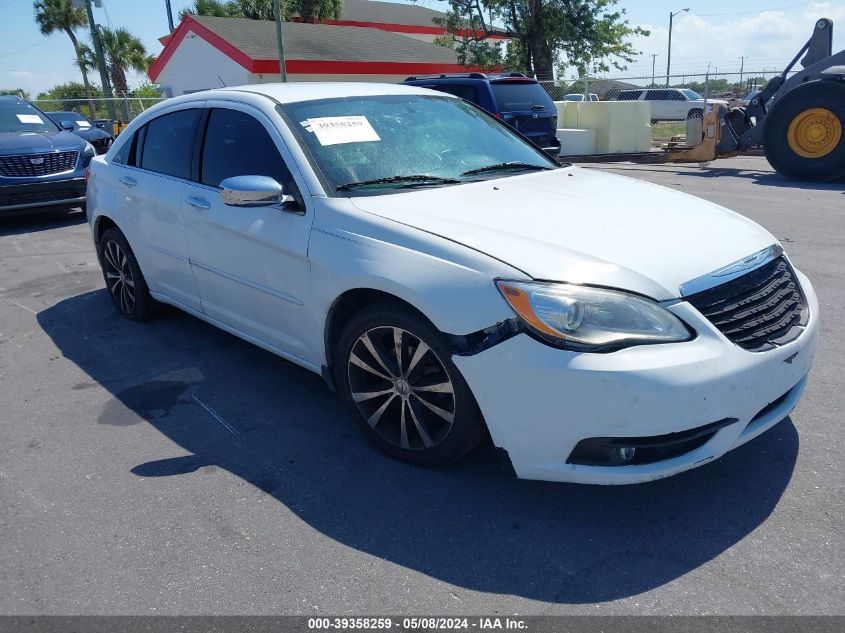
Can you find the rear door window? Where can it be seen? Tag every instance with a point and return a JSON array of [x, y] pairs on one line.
[[168, 145], [629, 95], [513, 96]]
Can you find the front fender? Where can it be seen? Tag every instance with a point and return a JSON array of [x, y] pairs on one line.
[[451, 284]]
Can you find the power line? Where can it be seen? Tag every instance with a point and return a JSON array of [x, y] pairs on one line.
[[26, 48]]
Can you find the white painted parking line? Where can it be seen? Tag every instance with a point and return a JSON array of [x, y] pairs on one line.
[[218, 417]]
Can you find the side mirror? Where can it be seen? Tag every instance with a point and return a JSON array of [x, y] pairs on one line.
[[66, 125], [252, 191]]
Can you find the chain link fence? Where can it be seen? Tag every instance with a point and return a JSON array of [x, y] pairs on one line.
[[118, 110], [714, 84], [669, 98]]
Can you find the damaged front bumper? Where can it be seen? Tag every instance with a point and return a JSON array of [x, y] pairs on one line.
[[687, 403]]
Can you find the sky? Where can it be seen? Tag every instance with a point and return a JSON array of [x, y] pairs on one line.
[[713, 32]]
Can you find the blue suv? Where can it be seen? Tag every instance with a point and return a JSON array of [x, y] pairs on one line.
[[42, 166], [519, 101]]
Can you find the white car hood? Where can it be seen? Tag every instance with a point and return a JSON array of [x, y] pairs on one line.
[[582, 226]]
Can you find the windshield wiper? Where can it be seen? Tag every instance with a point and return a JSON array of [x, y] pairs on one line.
[[513, 165], [413, 180]]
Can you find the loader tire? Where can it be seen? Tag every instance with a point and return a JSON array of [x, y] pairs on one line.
[[804, 137]]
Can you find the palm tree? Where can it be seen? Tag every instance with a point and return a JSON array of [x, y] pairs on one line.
[[123, 52], [318, 10], [60, 15], [218, 8]]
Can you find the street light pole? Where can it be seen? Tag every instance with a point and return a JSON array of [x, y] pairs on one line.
[[653, 61], [669, 52], [101, 60], [280, 42], [169, 15]]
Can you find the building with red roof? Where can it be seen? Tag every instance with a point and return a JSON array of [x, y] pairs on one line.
[[373, 41]]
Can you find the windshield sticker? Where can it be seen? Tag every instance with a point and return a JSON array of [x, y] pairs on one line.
[[83, 123], [334, 130], [30, 118]]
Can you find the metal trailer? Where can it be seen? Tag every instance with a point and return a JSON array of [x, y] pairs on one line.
[[800, 120]]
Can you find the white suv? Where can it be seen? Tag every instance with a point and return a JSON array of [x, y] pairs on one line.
[[450, 280], [672, 104]]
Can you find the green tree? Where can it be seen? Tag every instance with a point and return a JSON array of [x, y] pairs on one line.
[[588, 35], [217, 8], [308, 10], [147, 90], [66, 97], [60, 15], [15, 92]]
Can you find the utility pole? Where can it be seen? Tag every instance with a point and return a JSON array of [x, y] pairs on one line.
[[101, 60], [741, 68], [169, 15], [280, 42], [653, 60], [669, 52]]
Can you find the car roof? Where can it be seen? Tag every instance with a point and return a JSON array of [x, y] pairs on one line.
[[309, 91], [495, 78]]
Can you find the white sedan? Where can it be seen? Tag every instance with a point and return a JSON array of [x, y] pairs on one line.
[[450, 281]]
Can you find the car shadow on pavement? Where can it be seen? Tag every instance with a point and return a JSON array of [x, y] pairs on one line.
[[18, 225], [767, 178], [232, 405]]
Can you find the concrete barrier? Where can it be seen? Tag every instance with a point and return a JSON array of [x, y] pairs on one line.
[[620, 126], [574, 142]]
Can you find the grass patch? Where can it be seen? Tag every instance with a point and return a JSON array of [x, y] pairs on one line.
[[664, 130]]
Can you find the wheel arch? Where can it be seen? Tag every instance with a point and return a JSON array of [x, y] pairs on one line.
[[101, 224], [345, 306]]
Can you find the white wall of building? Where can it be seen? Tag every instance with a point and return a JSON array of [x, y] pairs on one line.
[[197, 65], [273, 78]]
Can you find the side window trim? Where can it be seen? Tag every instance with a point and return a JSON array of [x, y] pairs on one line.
[[137, 147], [199, 146]]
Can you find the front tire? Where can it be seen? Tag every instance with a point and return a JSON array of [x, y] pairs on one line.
[[394, 371], [804, 137], [125, 283]]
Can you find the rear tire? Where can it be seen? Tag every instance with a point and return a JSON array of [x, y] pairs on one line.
[[125, 283], [804, 137], [413, 404]]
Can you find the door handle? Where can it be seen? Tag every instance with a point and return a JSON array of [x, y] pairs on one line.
[[198, 203], [128, 181]]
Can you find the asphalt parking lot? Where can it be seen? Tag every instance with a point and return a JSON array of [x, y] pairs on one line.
[[170, 468]]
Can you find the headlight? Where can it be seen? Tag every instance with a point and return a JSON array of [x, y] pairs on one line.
[[89, 149], [595, 319]]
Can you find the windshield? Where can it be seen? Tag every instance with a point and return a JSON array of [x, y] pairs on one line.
[[692, 94], [358, 140], [573, 98], [74, 118], [513, 96], [19, 116]]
